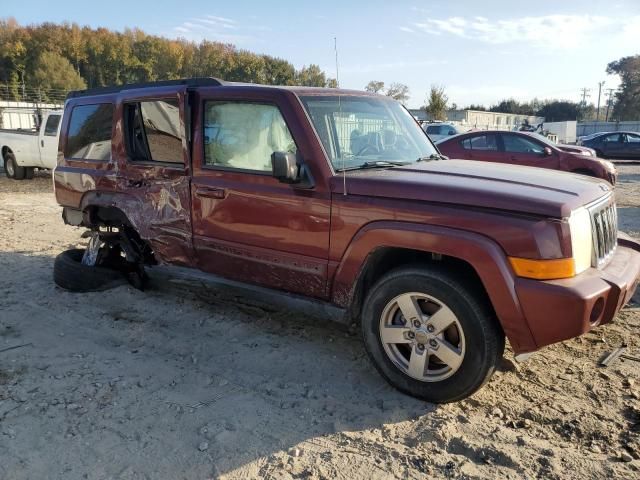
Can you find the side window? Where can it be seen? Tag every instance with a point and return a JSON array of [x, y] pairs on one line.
[[433, 129], [153, 131], [89, 135], [613, 138], [481, 143], [518, 144], [244, 135], [631, 138], [51, 127]]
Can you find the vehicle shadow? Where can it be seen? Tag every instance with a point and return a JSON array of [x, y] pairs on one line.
[[180, 381]]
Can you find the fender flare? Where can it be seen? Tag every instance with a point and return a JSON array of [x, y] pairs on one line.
[[484, 255]]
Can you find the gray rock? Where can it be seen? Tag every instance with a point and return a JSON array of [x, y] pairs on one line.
[[203, 446]]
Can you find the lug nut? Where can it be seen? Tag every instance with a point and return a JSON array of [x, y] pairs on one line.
[[411, 335], [420, 346], [433, 343], [430, 328], [416, 323]]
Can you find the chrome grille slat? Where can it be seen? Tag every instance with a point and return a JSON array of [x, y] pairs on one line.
[[604, 230]]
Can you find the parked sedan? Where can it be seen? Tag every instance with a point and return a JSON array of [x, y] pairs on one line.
[[438, 131], [522, 148], [614, 144]]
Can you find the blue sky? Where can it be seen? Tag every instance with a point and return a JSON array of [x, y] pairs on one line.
[[480, 51]]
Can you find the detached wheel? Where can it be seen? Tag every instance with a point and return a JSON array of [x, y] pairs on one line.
[[11, 167], [69, 273], [430, 335]]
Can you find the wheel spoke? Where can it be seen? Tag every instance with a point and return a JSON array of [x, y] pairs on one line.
[[409, 307], [417, 362], [441, 319], [448, 354], [394, 334]]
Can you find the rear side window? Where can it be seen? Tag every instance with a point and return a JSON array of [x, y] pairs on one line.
[[51, 127], [480, 142], [434, 129], [153, 131], [89, 135]]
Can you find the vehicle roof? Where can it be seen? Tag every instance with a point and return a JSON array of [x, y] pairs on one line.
[[593, 135], [216, 82]]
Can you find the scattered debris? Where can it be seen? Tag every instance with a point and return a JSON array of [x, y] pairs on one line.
[[15, 346]]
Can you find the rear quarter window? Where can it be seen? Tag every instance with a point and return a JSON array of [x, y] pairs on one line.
[[89, 134]]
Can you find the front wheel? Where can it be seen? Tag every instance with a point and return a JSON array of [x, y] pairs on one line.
[[431, 335]]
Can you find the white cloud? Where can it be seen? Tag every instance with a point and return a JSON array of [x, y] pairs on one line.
[[407, 29], [222, 29], [554, 31]]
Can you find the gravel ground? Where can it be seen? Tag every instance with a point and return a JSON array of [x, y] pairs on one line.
[[188, 381]]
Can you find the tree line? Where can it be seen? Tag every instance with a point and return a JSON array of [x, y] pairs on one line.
[[54, 58]]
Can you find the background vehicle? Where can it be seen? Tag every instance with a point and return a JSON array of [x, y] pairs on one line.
[[527, 149], [438, 131], [614, 144], [24, 150], [340, 198]]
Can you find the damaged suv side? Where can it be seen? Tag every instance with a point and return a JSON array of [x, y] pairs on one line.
[[339, 197]]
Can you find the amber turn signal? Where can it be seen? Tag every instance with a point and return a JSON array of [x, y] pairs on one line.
[[543, 269]]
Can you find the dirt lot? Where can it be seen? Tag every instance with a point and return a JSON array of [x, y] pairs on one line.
[[184, 381]]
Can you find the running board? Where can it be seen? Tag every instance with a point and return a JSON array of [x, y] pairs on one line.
[[284, 300]]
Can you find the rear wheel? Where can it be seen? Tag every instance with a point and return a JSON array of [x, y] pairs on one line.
[[431, 335], [11, 167]]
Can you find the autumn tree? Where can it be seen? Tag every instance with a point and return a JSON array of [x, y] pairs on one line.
[[398, 91], [436, 105], [375, 86], [54, 73]]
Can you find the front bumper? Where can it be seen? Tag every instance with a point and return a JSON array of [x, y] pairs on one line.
[[557, 310]]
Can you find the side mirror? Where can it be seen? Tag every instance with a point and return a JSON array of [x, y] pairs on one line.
[[285, 167], [548, 152]]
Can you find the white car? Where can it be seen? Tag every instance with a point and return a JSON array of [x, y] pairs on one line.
[[438, 131], [24, 150]]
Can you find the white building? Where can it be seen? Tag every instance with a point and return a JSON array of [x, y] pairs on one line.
[[481, 120]]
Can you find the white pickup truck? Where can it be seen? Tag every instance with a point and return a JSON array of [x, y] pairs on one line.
[[24, 150]]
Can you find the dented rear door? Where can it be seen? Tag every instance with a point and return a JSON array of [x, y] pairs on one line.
[[153, 169]]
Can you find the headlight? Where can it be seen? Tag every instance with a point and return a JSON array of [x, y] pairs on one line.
[[581, 240]]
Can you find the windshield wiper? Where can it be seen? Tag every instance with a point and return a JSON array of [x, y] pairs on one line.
[[433, 156], [374, 164]]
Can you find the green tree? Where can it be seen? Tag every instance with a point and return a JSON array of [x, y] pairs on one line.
[[558, 110], [398, 91], [311, 76], [627, 105], [54, 74], [375, 86], [436, 105]]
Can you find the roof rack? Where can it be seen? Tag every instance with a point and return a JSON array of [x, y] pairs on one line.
[[189, 82]]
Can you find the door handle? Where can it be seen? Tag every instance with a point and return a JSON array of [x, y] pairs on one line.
[[41, 143], [210, 192]]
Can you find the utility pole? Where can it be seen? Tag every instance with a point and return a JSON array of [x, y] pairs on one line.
[[609, 96], [600, 84], [585, 94]]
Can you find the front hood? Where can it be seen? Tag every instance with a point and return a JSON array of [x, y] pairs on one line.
[[514, 188], [576, 149]]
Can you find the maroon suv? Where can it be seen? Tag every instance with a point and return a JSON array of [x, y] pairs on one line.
[[339, 198], [528, 149]]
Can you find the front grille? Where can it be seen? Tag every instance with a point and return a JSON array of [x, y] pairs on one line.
[[604, 230]]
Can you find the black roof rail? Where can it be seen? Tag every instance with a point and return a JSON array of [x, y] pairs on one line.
[[189, 82]]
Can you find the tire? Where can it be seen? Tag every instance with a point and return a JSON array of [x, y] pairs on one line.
[[476, 337], [28, 173], [11, 167], [69, 273]]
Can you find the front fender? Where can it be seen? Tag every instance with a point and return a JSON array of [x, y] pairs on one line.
[[483, 254]]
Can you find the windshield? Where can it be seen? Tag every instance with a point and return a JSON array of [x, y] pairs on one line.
[[365, 131], [543, 139]]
